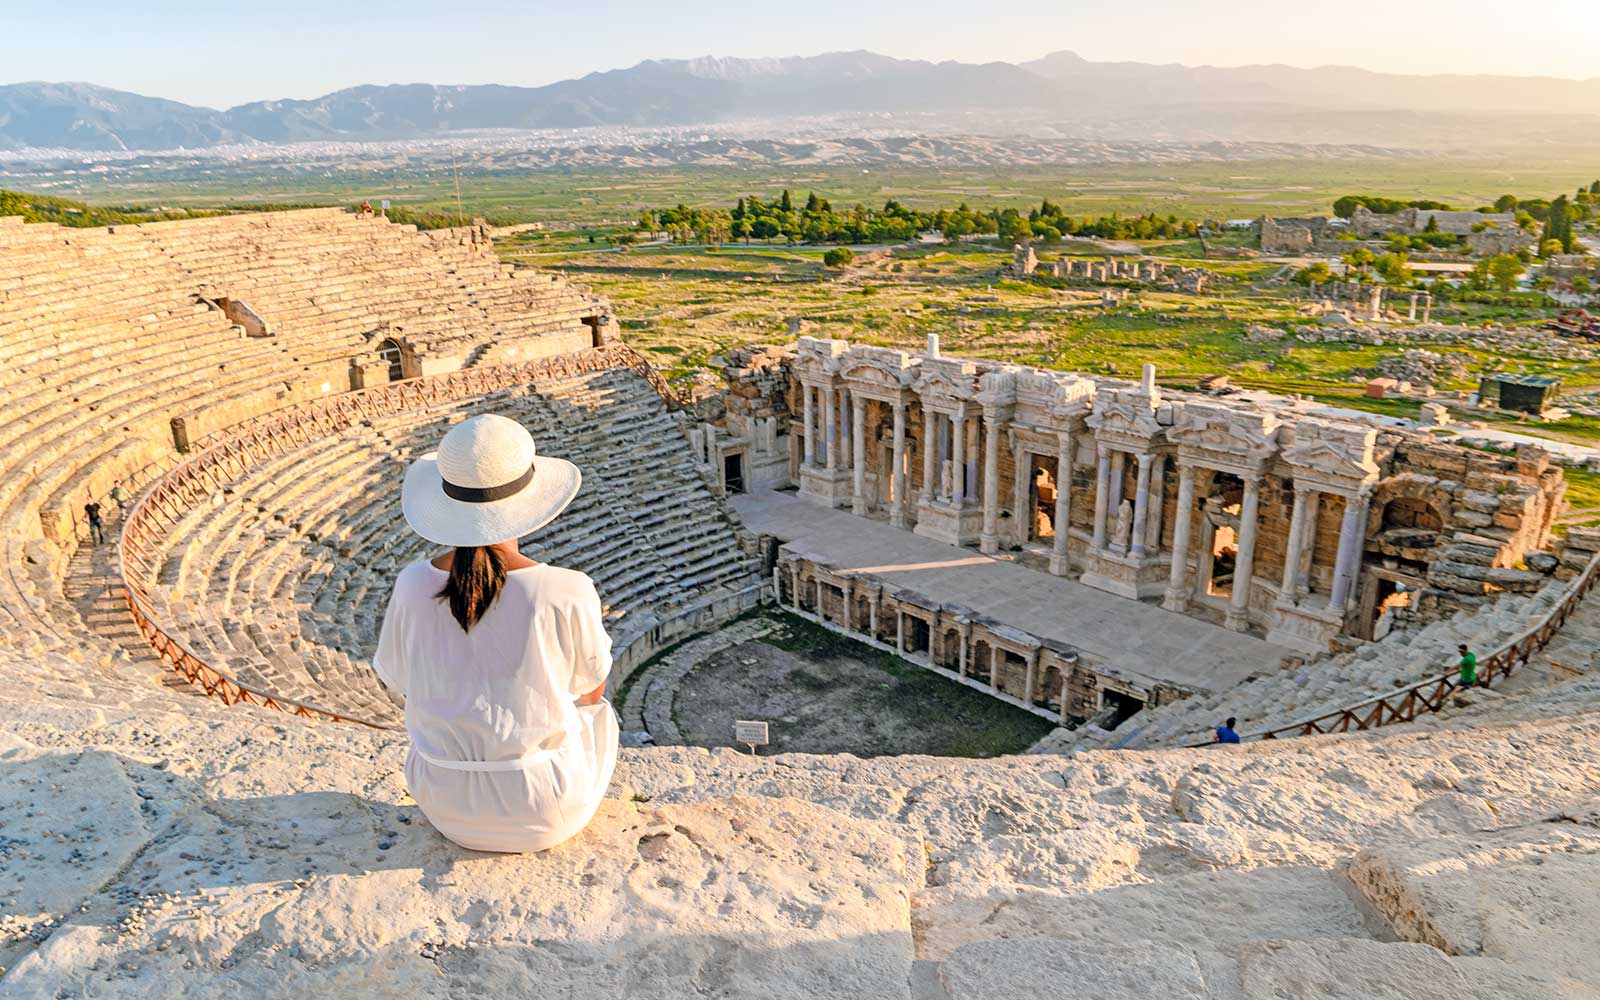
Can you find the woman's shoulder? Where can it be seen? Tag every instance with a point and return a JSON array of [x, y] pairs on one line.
[[552, 584], [417, 577]]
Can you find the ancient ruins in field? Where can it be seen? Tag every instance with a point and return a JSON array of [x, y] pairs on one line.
[[202, 785]]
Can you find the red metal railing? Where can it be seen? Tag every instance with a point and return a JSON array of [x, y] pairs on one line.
[[1429, 695], [231, 453]]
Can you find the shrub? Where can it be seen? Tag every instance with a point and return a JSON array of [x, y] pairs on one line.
[[838, 257]]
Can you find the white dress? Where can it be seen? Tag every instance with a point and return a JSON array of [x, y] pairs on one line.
[[502, 758]]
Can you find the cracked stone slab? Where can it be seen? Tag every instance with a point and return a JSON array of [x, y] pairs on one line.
[[1046, 969], [1353, 969], [1527, 894], [739, 897], [69, 823], [1205, 913]]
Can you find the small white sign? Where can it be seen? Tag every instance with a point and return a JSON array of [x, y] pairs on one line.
[[385, 204], [753, 734]]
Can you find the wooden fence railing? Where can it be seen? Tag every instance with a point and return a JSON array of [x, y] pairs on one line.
[[1429, 695], [231, 453]]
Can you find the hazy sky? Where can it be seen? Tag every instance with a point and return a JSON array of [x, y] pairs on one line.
[[220, 54]]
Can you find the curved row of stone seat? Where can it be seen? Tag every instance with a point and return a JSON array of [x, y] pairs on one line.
[[282, 581], [111, 333]]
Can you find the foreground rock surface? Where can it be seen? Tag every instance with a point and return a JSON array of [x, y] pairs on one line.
[[191, 850]]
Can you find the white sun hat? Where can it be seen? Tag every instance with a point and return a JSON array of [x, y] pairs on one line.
[[486, 484]]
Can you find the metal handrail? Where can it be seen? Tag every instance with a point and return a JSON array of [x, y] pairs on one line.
[[1429, 695], [234, 451]]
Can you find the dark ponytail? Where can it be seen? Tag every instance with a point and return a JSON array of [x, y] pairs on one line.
[[477, 572]]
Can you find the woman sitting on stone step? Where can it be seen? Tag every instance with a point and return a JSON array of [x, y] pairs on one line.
[[502, 661]]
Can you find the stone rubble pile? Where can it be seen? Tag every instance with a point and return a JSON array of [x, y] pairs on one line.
[[1421, 367], [1524, 341]]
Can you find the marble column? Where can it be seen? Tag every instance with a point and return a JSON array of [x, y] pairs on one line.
[[1102, 489], [872, 614], [930, 453], [958, 455], [961, 663], [1289, 589], [969, 481], [829, 440], [1350, 542], [1238, 617], [849, 612], [1177, 597], [1308, 545], [1031, 678], [810, 436], [1059, 554], [988, 540], [858, 455], [846, 452], [794, 587], [900, 631], [1119, 462], [1158, 505], [1021, 493], [1141, 505], [996, 657], [897, 482]]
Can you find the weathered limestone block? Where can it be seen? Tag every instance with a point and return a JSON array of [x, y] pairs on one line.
[[1519, 581], [1524, 895], [1043, 969], [1472, 519], [1355, 969], [1478, 500], [1474, 555]]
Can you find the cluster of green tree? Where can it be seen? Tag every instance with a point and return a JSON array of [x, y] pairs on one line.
[[817, 221], [65, 212], [1345, 207], [814, 222], [424, 219], [1554, 218], [1048, 223]]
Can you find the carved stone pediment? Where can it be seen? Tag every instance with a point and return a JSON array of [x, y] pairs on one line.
[[872, 374], [1323, 451], [817, 358], [1226, 437], [1126, 414], [949, 379]]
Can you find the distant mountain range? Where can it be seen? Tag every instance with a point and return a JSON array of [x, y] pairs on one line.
[[1194, 103]]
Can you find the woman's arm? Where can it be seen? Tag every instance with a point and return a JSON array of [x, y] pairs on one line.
[[593, 697]]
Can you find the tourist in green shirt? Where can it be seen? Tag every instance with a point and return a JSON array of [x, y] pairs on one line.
[[1469, 667]]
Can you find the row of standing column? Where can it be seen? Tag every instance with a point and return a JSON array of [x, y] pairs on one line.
[[947, 433], [1148, 500], [833, 447], [1302, 533]]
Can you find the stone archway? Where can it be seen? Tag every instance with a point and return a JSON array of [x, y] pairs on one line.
[[1410, 513], [950, 648], [399, 358], [981, 662]]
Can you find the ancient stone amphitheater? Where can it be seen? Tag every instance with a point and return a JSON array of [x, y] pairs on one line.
[[201, 787]]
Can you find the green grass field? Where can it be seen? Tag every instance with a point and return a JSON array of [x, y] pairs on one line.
[[1236, 189], [684, 306]]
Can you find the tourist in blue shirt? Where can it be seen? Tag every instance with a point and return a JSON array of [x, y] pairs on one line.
[[1225, 733]]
